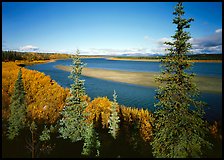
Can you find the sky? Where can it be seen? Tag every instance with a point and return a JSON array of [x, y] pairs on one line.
[[107, 28]]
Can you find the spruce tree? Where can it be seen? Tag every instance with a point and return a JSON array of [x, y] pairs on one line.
[[114, 118], [17, 108], [91, 141], [179, 129], [71, 124]]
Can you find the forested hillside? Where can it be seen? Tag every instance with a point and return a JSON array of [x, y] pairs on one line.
[[189, 56]]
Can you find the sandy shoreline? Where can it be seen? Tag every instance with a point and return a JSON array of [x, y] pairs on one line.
[[158, 60], [206, 84], [130, 59], [91, 56]]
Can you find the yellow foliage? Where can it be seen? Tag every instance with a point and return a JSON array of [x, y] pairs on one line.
[[44, 97], [99, 106], [141, 116]]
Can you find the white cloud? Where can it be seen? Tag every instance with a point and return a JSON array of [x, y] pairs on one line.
[[164, 39], [28, 48], [160, 46], [218, 30], [208, 44], [107, 51], [159, 49]]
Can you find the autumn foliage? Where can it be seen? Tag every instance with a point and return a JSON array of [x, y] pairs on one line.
[[99, 109], [44, 97], [142, 117]]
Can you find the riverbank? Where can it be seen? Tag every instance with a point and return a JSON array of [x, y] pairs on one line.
[[85, 56], [158, 60], [23, 63], [133, 59], [205, 84]]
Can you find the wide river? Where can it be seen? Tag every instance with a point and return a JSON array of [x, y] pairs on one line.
[[128, 94]]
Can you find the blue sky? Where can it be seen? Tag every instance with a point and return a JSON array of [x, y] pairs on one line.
[[106, 27]]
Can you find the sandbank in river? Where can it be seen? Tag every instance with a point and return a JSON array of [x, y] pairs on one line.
[[205, 84], [158, 60]]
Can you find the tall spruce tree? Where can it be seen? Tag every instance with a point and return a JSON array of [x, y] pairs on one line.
[[179, 129], [114, 118], [17, 108], [73, 124]]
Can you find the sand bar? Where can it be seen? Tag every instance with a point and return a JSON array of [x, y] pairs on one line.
[[158, 60], [205, 84]]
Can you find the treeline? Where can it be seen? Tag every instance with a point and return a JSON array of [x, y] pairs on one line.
[[205, 57], [31, 56], [191, 57]]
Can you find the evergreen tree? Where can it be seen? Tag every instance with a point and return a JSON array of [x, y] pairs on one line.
[[17, 108], [179, 129], [114, 118], [90, 141], [71, 124]]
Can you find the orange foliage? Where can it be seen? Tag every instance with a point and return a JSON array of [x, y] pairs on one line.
[[99, 106], [143, 117], [9, 75], [102, 106], [44, 97]]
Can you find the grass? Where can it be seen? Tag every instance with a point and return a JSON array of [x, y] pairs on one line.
[[205, 84]]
